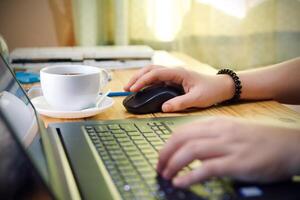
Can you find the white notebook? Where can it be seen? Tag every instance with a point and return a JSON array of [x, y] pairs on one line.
[[81, 53], [111, 57]]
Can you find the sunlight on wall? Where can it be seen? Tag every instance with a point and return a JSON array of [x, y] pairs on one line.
[[165, 17], [235, 8]]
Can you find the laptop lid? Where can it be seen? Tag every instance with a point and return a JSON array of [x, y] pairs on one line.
[[23, 171]]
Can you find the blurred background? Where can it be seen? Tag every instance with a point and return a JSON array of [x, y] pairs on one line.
[[238, 33]]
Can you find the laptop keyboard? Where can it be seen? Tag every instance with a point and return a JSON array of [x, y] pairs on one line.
[[130, 154]]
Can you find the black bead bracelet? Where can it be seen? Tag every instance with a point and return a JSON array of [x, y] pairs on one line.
[[237, 84]]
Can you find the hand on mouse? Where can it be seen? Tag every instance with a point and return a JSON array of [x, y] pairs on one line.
[[200, 90], [230, 147]]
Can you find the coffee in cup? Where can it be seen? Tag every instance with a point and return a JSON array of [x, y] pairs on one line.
[[72, 87]]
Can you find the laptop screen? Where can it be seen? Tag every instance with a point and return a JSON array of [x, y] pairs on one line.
[[16, 107], [18, 177], [17, 113]]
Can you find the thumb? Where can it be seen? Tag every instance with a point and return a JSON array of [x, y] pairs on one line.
[[179, 103]]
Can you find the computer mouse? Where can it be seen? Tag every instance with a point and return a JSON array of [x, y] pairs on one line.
[[151, 98]]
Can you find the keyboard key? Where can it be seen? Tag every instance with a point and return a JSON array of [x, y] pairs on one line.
[[154, 139], [151, 123], [166, 132], [141, 142], [100, 129], [89, 127], [92, 133], [112, 147], [128, 172], [128, 127], [127, 195], [107, 138], [141, 164], [113, 126], [162, 127], [165, 137], [94, 137], [134, 133], [98, 145], [154, 123], [149, 134], [123, 139], [152, 183], [122, 162], [134, 154], [116, 152], [146, 147], [150, 174], [155, 128], [110, 143], [130, 148], [102, 152], [118, 131], [148, 151], [157, 143], [125, 167], [144, 128], [127, 144], [152, 156], [100, 134], [153, 162], [159, 132], [134, 138], [136, 183], [143, 170], [142, 194]]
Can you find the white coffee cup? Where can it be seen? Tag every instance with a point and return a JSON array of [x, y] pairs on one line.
[[72, 87]]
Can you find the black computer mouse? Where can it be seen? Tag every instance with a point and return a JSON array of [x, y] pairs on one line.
[[151, 98]]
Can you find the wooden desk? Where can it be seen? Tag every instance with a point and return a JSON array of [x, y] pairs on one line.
[[263, 111]]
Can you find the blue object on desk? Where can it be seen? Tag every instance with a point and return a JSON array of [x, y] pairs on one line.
[[119, 94], [27, 77]]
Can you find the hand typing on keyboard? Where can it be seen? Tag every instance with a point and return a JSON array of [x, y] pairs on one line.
[[233, 148]]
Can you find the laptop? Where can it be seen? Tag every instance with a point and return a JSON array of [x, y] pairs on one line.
[[110, 159]]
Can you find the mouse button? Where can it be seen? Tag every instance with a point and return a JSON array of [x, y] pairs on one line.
[[145, 94], [171, 93], [128, 98], [130, 101], [136, 101], [178, 89]]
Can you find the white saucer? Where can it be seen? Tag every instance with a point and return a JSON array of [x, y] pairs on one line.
[[44, 108]]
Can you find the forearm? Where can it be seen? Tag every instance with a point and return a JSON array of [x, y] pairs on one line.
[[280, 82]]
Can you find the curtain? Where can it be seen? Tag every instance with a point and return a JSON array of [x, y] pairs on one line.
[[236, 33], [63, 20]]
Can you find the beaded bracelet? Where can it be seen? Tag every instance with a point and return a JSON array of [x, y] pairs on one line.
[[237, 84]]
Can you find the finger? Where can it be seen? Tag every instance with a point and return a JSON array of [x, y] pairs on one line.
[[196, 149], [138, 75], [179, 103], [217, 167], [188, 132], [157, 75]]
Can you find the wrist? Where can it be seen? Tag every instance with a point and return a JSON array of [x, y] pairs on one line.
[[228, 87], [237, 85]]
